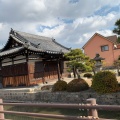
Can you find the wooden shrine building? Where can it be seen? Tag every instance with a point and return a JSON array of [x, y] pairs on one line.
[[28, 59]]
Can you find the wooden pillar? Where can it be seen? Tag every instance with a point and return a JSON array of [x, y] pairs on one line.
[[43, 79], [26, 53], [13, 75], [58, 69], [92, 112], [27, 78], [61, 67]]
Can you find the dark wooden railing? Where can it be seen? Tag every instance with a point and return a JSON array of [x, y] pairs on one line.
[[91, 107]]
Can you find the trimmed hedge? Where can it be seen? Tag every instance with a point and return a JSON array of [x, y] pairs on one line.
[[105, 82], [77, 85], [60, 85]]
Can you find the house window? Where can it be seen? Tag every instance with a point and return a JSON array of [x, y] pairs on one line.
[[104, 48]]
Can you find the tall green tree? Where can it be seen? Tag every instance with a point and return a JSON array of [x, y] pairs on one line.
[[78, 62], [117, 64], [117, 29]]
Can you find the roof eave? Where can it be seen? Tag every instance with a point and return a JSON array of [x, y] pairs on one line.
[[93, 36]]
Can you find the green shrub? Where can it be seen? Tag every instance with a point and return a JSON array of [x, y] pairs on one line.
[[60, 85], [88, 75], [77, 85], [105, 82]]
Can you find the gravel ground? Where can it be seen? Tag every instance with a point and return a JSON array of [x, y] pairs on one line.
[[118, 79], [69, 79]]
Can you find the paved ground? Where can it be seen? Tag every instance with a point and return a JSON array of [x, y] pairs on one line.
[[31, 89]]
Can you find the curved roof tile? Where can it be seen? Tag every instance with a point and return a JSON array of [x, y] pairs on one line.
[[10, 51], [45, 43]]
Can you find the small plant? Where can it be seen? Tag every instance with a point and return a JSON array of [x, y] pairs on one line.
[[105, 82], [88, 75], [77, 85], [59, 86]]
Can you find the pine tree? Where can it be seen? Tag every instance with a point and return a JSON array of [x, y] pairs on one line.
[[78, 62], [117, 29]]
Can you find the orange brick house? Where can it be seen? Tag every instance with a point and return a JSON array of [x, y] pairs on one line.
[[107, 47]]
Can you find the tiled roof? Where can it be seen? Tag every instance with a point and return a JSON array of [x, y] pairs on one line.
[[39, 42], [112, 38], [10, 51], [34, 43]]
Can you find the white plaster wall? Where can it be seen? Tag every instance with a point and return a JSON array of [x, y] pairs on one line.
[[19, 61], [31, 61], [20, 57], [6, 60], [33, 56]]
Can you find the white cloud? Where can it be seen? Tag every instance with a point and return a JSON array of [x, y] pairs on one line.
[[1, 26], [52, 32], [28, 16], [105, 32], [83, 28]]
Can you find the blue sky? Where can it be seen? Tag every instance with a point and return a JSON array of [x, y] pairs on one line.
[[70, 22]]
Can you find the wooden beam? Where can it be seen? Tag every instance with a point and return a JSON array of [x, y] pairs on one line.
[[12, 61]]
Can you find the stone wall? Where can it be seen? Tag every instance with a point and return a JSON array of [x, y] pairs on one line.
[[65, 97], [60, 97], [17, 95]]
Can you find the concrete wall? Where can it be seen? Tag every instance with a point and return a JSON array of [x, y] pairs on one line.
[[59, 97]]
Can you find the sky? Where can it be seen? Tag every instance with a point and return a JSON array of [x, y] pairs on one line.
[[70, 22]]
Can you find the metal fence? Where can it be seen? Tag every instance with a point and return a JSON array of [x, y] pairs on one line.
[[90, 105]]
